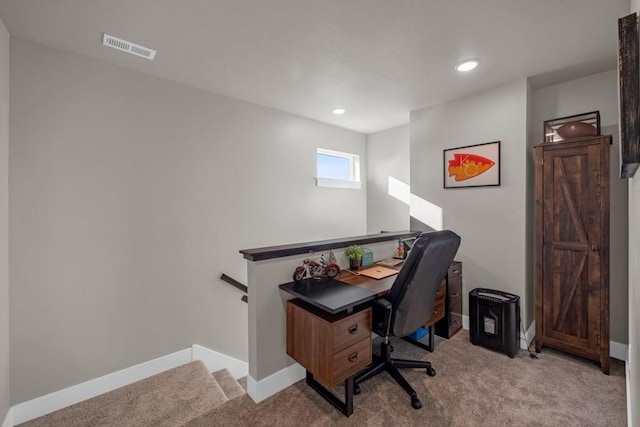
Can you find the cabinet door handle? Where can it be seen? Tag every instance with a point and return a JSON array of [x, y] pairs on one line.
[[353, 329], [454, 272], [435, 310], [353, 356], [455, 295]]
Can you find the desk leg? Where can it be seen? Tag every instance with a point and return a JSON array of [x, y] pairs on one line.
[[345, 407], [429, 347]]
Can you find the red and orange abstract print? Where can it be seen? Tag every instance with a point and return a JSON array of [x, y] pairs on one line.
[[466, 166]]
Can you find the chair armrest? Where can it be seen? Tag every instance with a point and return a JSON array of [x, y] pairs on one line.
[[382, 309]]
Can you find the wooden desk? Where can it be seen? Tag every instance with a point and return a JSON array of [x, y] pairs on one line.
[[333, 347], [382, 286], [379, 286]]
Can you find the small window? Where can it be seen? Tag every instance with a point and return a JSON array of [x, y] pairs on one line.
[[337, 169]]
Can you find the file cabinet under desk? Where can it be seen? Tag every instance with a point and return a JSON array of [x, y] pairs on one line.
[[452, 321], [332, 347]]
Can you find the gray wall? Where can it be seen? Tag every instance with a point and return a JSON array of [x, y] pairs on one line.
[[591, 93], [634, 298], [4, 221], [634, 288], [387, 156], [129, 196], [490, 220]]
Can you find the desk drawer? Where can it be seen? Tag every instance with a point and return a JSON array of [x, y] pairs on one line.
[[351, 329], [439, 307], [452, 322], [455, 318], [352, 359], [454, 290], [313, 336], [455, 269]]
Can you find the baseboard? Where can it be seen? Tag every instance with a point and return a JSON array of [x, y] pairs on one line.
[[26, 411], [618, 351], [260, 390], [8, 420], [215, 361]]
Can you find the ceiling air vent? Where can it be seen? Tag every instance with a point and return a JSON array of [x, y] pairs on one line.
[[125, 46]]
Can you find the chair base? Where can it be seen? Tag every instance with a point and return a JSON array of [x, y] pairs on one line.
[[384, 362]]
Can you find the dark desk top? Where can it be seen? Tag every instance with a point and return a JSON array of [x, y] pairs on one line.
[[347, 290], [330, 295], [259, 254]]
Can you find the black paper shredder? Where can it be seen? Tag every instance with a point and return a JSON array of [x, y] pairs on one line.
[[494, 320]]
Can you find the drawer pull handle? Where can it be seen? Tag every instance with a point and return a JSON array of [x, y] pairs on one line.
[[455, 272], [435, 310], [353, 329], [455, 323], [438, 293], [353, 356], [455, 295]]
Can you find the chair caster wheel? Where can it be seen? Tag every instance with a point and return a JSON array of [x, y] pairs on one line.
[[431, 372], [356, 389], [415, 402]]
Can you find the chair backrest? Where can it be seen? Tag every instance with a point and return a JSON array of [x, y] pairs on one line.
[[413, 293]]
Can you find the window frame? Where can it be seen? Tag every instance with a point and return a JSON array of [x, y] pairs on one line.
[[354, 170]]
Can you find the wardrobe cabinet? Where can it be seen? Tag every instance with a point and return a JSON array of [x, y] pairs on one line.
[[572, 247]]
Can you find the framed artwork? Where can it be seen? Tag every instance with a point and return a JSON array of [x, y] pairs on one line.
[[472, 166], [628, 86]]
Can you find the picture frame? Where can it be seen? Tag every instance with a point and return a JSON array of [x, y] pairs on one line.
[[628, 87], [472, 166]]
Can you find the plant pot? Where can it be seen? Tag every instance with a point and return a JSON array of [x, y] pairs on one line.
[[354, 264]]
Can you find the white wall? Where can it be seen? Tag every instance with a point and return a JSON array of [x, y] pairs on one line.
[[634, 288], [387, 157], [634, 297], [489, 220], [591, 93], [129, 196], [4, 221]]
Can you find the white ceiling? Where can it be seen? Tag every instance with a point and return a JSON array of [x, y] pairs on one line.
[[379, 59]]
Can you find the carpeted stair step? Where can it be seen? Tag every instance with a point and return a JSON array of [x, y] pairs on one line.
[[228, 384], [170, 398]]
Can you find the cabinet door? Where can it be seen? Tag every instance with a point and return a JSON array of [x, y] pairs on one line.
[[572, 232]]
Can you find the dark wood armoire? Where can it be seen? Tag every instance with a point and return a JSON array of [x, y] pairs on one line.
[[572, 247]]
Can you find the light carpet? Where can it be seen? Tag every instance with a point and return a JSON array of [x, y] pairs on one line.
[[474, 386], [170, 398]]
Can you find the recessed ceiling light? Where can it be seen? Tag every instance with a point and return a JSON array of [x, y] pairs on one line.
[[467, 65], [338, 110]]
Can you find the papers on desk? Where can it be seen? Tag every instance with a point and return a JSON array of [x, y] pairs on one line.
[[378, 272]]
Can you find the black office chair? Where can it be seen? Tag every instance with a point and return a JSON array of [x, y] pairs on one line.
[[409, 305]]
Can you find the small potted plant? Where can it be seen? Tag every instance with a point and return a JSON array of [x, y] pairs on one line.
[[354, 253]]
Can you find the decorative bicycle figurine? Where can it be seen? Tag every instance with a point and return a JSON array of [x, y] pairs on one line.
[[311, 268]]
